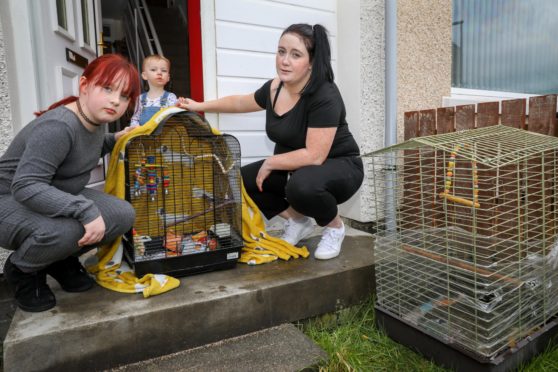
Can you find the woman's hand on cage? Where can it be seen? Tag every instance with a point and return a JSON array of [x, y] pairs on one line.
[[94, 232], [188, 104]]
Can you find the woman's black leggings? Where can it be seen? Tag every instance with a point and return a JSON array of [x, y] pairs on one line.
[[313, 191]]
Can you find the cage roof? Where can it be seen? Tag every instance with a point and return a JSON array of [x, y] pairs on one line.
[[496, 145]]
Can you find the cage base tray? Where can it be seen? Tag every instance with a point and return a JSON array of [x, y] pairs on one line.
[[187, 264], [461, 360]]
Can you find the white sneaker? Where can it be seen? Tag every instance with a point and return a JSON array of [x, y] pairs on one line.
[[295, 231], [330, 245]]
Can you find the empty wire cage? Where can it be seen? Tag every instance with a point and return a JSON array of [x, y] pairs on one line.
[[184, 183], [466, 235]]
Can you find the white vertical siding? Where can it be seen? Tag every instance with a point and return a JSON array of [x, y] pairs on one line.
[[246, 36]]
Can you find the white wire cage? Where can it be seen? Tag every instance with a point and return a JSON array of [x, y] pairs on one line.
[[467, 225]]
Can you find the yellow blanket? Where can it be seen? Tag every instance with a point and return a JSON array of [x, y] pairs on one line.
[[113, 273], [259, 246]]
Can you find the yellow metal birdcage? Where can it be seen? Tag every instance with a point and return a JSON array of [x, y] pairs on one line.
[[184, 183]]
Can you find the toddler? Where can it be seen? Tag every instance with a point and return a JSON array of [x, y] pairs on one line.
[[156, 71]]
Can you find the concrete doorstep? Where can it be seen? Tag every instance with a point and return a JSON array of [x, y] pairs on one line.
[[101, 329], [282, 348]]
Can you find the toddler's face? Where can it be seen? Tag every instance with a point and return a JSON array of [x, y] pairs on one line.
[[156, 72]]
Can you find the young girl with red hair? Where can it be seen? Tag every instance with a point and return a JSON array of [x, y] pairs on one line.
[[48, 217]]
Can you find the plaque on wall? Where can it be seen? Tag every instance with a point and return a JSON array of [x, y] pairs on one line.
[[76, 59]]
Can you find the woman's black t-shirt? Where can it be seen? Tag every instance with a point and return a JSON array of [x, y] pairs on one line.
[[322, 109]]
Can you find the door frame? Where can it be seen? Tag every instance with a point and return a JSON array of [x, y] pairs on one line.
[[195, 50], [21, 69]]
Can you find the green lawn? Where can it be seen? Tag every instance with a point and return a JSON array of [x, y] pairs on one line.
[[353, 343]]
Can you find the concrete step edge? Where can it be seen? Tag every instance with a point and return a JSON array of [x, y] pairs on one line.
[[279, 348]]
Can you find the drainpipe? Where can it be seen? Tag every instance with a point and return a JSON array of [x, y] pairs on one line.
[[390, 127]]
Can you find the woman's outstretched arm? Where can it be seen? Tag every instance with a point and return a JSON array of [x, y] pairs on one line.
[[228, 104]]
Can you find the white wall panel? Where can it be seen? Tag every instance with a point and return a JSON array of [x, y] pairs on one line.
[[245, 64], [272, 14], [244, 37], [227, 86], [329, 5], [254, 144], [245, 161], [253, 121], [247, 37]]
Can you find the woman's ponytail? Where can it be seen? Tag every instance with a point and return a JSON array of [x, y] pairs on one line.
[[322, 54]]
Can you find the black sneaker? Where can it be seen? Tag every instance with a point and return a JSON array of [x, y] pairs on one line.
[[31, 291], [71, 275]]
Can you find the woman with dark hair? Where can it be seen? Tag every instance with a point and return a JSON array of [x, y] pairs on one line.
[[48, 216], [316, 163]]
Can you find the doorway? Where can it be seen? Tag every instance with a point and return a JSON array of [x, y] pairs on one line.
[[137, 28]]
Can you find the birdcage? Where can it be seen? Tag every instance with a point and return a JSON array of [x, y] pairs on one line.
[[184, 184], [467, 225]]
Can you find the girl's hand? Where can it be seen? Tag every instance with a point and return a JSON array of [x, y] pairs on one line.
[[117, 135], [94, 232], [188, 104], [263, 173]]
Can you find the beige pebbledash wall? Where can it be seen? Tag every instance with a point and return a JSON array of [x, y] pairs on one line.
[[423, 72], [6, 132], [423, 55]]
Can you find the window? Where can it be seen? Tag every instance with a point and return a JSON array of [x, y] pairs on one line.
[[505, 45], [62, 18], [61, 14], [85, 22]]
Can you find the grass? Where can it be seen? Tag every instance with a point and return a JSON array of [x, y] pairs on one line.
[[353, 343]]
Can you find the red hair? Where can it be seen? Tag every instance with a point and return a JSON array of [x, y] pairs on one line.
[[104, 71]]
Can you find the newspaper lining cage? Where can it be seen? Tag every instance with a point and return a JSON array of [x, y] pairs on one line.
[[184, 183], [466, 243]]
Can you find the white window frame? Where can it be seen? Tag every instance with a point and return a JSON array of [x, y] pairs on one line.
[[464, 96], [70, 33], [90, 17]]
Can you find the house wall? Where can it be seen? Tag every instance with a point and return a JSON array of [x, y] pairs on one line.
[[423, 72], [6, 131], [239, 41], [423, 55], [361, 80], [18, 46]]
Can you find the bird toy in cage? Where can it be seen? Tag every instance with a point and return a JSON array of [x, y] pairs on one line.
[[152, 180], [166, 181], [448, 182], [139, 180], [139, 175]]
